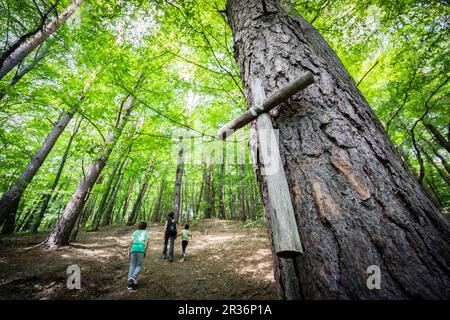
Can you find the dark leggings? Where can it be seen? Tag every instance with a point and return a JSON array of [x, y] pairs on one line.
[[184, 244]]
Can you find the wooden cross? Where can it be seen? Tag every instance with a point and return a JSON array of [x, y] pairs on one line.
[[285, 233]]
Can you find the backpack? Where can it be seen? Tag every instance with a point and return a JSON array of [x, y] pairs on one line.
[[171, 228]]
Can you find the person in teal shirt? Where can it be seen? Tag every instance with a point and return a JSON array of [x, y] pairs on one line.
[[137, 250], [185, 235]]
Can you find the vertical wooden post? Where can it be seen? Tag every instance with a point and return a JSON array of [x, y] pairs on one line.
[[284, 225]]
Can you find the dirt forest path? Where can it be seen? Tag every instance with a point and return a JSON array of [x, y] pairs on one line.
[[226, 260]]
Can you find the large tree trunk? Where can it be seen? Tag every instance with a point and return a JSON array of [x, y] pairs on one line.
[[10, 200], [356, 204], [46, 198], [61, 232], [18, 54]]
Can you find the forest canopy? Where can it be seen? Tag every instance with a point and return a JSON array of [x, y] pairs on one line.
[[175, 59]]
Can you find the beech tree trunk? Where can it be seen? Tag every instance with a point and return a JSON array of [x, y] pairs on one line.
[[439, 138], [157, 209], [212, 193], [221, 190], [10, 200], [17, 55], [127, 200], [105, 195], [46, 198], [178, 183], [137, 204], [199, 198], [207, 190], [355, 202], [444, 175], [242, 215], [63, 228], [112, 199], [23, 70]]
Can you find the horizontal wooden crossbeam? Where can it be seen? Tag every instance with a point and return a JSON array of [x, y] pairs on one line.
[[304, 80]]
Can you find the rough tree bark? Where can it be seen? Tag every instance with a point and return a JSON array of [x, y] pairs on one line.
[[19, 53], [356, 204], [61, 232]]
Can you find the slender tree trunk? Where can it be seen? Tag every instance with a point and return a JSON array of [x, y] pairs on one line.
[[206, 181], [355, 202], [207, 191], [112, 201], [28, 217], [105, 195], [408, 163], [221, 190], [89, 209], [23, 70], [443, 160], [439, 138], [242, 214], [444, 175], [10, 200], [19, 54], [199, 198], [127, 200], [178, 183], [434, 191], [61, 232], [156, 211], [137, 204], [212, 192], [46, 198]]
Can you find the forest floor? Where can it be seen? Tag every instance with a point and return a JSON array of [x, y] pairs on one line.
[[225, 260]]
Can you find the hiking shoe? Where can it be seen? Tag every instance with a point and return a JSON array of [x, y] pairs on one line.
[[171, 260], [135, 282], [130, 285], [164, 257]]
